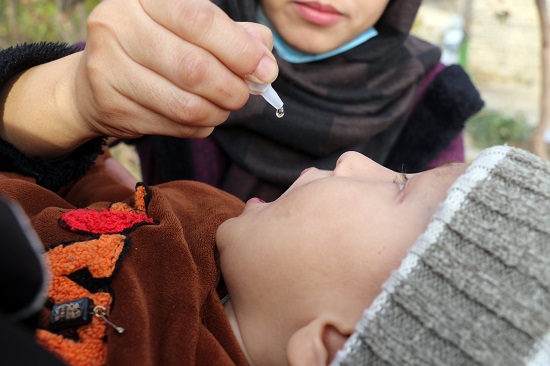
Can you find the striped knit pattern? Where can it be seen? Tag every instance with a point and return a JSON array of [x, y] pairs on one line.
[[475, 287]]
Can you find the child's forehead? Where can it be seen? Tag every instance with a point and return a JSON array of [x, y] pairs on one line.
[[449, 168]]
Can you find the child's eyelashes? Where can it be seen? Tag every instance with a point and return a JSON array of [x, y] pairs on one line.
[[401, 181]]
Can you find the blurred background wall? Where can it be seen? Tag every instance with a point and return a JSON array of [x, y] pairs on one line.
[[501, 51], [43, 20]]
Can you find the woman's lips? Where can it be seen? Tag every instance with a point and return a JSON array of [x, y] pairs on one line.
[[318, 13]]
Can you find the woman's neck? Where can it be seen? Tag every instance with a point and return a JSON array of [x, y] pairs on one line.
[[295, 56]]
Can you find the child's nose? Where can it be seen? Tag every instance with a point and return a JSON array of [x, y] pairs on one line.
[[352, 163]]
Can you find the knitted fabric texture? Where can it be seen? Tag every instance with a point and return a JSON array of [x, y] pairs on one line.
[[475, 287]]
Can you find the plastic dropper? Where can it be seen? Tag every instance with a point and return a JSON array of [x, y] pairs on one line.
[[269, 94]]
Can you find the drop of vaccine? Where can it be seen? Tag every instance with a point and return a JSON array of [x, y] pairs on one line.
[[280, 112]]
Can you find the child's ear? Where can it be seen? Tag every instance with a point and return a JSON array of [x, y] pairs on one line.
[[316, 343]]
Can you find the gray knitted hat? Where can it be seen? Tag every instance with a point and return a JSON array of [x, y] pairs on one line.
[[475, 287]]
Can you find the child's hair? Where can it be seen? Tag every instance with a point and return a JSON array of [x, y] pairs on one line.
[[475, 288]]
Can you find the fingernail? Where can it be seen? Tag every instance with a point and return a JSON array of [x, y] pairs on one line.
[[265, 72]]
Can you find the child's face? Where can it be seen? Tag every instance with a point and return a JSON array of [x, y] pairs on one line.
[[323, 248], [321, 26]]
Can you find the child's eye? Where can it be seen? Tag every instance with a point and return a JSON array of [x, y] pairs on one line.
[[401, 181]]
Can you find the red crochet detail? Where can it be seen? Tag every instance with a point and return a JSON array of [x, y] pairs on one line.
[[102, 222]]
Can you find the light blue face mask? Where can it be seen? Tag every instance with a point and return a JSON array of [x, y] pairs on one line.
[[294, 56]]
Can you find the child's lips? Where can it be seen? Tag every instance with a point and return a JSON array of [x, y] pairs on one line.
[[255, 200], [305, 171], [318, 13], [252, 203]]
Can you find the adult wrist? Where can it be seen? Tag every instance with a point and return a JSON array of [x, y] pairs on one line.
[[36, 96], [29, 144]]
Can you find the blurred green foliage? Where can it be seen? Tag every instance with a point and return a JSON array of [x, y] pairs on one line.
[[43, 20], [492, 127]]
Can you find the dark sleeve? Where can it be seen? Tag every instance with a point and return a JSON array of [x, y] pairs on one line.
[[55, 173]]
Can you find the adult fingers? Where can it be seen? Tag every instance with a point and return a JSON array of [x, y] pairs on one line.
[[121, 89], [159, 50], [260, 32], [126, 98], [204, 24]]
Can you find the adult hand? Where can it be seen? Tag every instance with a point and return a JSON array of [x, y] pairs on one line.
[[170, 67], [160, 67]]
